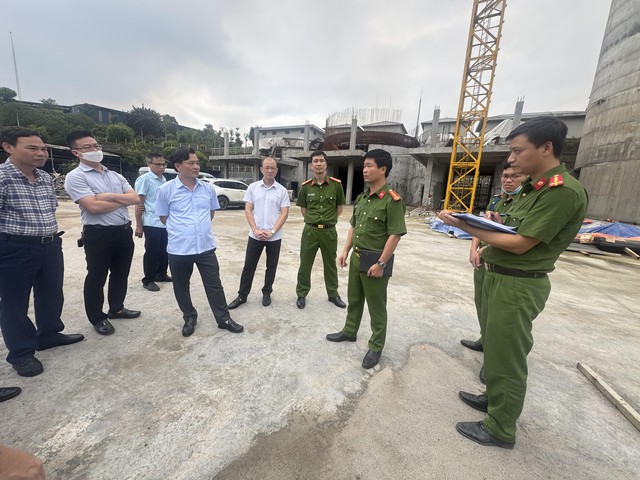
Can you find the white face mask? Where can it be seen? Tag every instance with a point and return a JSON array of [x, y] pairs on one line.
[[94, 156]]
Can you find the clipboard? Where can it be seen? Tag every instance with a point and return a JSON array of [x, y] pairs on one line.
[[484, 223], [369, 257]]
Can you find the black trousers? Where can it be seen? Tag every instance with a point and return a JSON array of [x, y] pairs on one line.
[[155, 260], [182, 269], [251, 258], [108, 250], [23, 267]]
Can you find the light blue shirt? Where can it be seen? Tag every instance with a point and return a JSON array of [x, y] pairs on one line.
[[188, 216], [268, 203], [84, 181], [148, 185]]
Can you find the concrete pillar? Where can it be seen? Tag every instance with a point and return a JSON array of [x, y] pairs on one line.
[[427, 200], [305, 169], [350, 169], [226, 143], [256, 170], [435, 125], [307, 131], [225, 169], [256, 140], [517, 115], [354, 133]]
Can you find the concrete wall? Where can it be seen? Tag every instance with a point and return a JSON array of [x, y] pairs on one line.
[[408, 177], [609, 153]]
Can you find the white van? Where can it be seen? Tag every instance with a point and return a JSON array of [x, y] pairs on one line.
[[170, 174]]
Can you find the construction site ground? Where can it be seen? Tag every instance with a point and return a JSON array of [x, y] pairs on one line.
[[280, 402]]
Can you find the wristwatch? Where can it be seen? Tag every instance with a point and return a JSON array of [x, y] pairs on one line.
[[382, 264], [273, 232]]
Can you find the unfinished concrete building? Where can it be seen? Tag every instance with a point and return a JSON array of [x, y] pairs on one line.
[[609, 153]]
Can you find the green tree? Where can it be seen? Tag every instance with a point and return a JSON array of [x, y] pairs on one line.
[[145, 122], [119, 132], [49, 102], [7, 95]]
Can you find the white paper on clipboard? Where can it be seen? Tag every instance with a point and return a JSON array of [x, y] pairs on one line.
[[484, 223]]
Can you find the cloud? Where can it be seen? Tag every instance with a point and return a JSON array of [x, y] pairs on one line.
[[237, 64]]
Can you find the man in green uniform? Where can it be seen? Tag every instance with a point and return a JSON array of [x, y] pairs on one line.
[[511, 186], [377, 224], [321, 200], [548, 214]]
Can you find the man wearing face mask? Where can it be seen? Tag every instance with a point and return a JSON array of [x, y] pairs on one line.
[[500, 204], [103, 197]]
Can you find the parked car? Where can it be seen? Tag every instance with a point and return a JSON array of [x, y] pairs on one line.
[[230, 192], [170, 174]]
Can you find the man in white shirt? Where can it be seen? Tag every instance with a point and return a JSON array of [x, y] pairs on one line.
[[267, 208]]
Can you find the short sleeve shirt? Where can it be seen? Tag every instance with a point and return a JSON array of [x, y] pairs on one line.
[[85, 181], [26, 208], [148, 185], [268, 202], [376, 216], [321, 200], [551, 214], [188, 216]]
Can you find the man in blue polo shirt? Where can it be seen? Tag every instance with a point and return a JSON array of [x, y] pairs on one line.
[[186, 205], [155, 261]]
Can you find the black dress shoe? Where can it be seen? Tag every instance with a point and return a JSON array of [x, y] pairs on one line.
[[481, 376], [60, 339], [189, 326], [371, 359], [7, 393], [266, 300], [337, 301], [232, 326], [340, 337], [164, 278], [301, 302], [104, 327], [475, 431], [479, 402], [477, 346], [236, 303], [29, 368], [125, 313], [151, 286]]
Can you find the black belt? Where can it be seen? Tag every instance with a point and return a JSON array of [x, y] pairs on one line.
[[320, 226], [110, 227], [512, 272], [30, 238]]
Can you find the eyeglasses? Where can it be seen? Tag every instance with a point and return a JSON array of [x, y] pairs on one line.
[[515, 176], [164, 165], [95, 146]]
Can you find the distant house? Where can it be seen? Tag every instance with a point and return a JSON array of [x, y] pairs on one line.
[[101, 115], [386, 126], [288, 136]]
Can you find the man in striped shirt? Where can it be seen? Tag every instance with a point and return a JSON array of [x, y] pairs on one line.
[[30, 253]]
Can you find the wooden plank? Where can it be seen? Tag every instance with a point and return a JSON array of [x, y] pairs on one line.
[[631, 253], [611, 394]]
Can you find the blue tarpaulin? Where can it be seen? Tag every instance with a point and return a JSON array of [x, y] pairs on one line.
[[439, 226]]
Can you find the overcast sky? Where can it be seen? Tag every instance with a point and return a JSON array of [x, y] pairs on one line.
[[282, 62]]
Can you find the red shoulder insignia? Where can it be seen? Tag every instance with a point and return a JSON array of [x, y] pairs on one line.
[[394, 195], [556, 181], [381, 194], [304, 183], [540, 183], [336, 179]]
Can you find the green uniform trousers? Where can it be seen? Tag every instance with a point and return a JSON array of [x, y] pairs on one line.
[[478, 280], [327, 241], [510, 304], [374, 291]]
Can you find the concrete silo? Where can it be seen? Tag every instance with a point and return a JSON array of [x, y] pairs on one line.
[[609, 153]]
